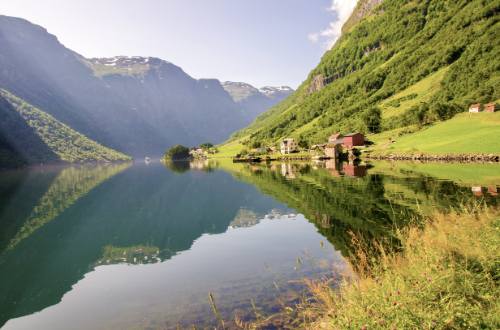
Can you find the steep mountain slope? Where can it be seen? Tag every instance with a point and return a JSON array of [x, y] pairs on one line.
[[30, 136], [426, 59], [255, 101], [19, 143], [138, 105]]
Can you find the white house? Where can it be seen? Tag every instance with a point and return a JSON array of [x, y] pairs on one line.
[[288, 146]]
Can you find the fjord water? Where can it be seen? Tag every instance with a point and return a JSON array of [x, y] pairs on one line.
[[141, 246]]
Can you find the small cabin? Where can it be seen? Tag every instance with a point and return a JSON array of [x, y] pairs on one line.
[[354, 140], [490, 107], [288, 146], [475, 108]]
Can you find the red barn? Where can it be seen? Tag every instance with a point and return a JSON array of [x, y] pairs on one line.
[[354, 140]]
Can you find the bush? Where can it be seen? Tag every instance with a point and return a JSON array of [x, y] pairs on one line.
[[372, 119], [206, 146], [177, 152]]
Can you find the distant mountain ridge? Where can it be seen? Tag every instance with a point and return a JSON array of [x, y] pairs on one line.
[[133, 104], [255, 101]]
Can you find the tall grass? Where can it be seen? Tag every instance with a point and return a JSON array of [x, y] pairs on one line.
[[446, 277]]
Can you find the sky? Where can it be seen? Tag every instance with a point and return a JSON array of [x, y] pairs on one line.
[[261, 42]]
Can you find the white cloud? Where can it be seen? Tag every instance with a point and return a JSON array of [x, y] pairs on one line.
[[341, 10]]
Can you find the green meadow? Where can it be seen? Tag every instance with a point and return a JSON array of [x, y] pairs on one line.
[[464, 133]]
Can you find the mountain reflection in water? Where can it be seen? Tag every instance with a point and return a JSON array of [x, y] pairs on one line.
[[142, 245]]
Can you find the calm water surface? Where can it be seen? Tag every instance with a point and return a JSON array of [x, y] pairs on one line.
[[141, 246]]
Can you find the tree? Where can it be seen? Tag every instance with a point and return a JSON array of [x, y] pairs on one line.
[[206, 146], [303, 143], [372, 119], [177, 152]]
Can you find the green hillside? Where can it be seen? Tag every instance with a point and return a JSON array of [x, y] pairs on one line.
[[464, 133], [406, 62], [43, 138]]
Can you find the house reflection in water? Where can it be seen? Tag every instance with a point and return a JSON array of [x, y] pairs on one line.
[[287, 171], [325, 221], [354, 170], [337, 168], [333, 166]]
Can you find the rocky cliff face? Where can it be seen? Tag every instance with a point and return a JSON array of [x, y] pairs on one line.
[[363, 9]]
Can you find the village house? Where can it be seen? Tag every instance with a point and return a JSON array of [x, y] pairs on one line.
[[474, 108], [196, 152], [353, 140], [288, 146], [490, 107]]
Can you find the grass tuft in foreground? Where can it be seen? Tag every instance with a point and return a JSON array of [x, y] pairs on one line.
[[446, 278]]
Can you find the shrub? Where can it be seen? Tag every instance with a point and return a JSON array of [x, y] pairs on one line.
[[177, 152]]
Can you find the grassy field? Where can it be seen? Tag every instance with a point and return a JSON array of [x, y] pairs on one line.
[[446, 278], [413, 95], [465, 133], [228, 150]]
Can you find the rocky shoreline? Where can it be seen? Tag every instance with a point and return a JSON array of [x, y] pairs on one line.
[[444, 157]]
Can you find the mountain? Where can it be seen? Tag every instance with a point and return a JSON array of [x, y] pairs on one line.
[[399, 66], [31, 136], [137, 105], [255, 101]]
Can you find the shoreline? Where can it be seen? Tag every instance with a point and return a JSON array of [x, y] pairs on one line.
[[447, 158], [462, 158]]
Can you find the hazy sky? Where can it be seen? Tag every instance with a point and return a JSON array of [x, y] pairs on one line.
[[262, 42]]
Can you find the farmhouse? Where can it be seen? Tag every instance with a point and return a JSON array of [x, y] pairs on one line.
[[490, 107], [353, 140], [288, 146], [475, 107]]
